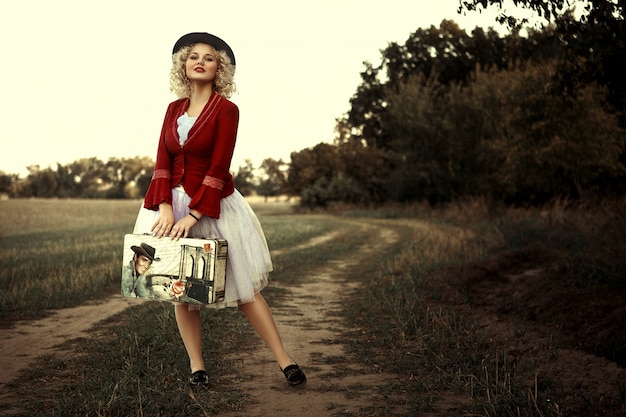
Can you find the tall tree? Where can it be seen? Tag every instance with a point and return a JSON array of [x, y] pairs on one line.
[[594, 45], [137, 174], [273, 180], [244, 178], [42, 183], [7, 182], [446, 54], [310, 165]]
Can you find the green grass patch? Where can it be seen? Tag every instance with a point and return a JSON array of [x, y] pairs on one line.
[[287, 231], [61, 253], [135, 364], [57, 254], [397, 331], [439, 352]]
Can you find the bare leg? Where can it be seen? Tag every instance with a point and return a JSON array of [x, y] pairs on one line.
[[260, 317], [190, 330]]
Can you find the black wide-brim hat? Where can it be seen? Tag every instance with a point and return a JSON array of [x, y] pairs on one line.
[[145, 250], [203, 37]]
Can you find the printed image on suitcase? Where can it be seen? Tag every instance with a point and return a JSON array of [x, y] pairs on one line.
[[187, 270]]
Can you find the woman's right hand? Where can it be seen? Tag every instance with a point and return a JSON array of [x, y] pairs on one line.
[[164, 221]]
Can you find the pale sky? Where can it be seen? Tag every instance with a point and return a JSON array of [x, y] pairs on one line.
[[82, 78]]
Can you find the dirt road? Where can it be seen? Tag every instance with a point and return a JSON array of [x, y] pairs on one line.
[[305, 318], [310, 331]]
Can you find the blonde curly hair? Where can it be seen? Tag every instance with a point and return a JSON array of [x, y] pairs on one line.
[[224, 83]]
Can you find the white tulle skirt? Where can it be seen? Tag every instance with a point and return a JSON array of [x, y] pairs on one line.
[[248, 262]]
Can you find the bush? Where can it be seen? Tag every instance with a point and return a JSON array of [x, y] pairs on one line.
[[340, 188]]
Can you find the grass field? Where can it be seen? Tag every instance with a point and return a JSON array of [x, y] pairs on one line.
[[61, 253], [57, 254]]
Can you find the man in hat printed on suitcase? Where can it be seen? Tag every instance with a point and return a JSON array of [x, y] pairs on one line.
[[134, 283]]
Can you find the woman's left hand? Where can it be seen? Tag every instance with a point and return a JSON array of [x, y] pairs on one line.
[[182, 227]]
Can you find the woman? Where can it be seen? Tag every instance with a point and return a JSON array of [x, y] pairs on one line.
[[192, 193]]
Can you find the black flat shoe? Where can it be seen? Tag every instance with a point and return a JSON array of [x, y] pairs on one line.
[[294, 375], [198, 378]]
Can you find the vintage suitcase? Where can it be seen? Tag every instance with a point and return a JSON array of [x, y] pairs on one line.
[[186, 270]]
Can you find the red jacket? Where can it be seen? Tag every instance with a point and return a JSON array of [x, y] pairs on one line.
[[202, 165]]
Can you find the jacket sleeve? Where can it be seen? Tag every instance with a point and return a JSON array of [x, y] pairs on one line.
[[207, 199], [160, 189]]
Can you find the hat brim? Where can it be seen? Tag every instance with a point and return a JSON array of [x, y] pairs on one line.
[[140, 251], [203, 37]]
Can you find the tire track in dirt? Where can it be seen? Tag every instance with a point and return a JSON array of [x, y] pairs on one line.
[[29, 339], [311, 332], [22, 345]]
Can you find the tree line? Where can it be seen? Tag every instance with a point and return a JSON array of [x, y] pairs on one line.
[[83, 178], [120, 178], [446, 115], [515, 119]]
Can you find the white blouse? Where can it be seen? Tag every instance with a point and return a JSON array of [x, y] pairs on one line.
[[184, 125]]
